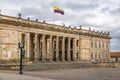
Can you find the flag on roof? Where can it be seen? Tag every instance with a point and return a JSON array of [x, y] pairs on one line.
[[58, 10]]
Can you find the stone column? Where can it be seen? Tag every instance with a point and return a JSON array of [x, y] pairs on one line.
[[43, 48], [36, 49], [57, 48], [63, 49], [50, 49], [74, 49], [68, 50], [1, 44], [28, 44]]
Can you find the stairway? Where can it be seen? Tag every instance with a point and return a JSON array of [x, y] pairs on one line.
[[58, 65]]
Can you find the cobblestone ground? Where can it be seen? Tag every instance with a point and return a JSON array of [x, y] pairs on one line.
[[74, 74]]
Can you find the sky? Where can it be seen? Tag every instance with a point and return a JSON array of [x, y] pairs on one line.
[[100, 15]]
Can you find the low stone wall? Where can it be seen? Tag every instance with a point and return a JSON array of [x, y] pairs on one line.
[[109, 64], [13, 66]]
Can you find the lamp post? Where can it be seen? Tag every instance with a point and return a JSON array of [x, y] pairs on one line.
[[21, 46]]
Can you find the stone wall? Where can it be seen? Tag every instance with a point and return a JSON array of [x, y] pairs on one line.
[[9, 42], [109, 64]]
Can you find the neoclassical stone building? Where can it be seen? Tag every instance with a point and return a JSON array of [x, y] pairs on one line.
[[48, 42]]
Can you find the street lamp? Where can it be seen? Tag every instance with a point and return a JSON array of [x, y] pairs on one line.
[[21, 46]]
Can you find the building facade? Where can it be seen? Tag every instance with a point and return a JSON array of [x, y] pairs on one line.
[[48, 42]]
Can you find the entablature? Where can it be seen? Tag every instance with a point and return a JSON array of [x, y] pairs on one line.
[[51, 27]]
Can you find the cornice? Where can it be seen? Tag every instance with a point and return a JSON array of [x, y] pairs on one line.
[[51, 27]]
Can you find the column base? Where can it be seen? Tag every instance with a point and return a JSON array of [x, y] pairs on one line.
[[63, 60], [57, 60], [43, 61]]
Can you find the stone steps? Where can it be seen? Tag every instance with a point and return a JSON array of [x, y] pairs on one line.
[[9, 66], [57, 65]]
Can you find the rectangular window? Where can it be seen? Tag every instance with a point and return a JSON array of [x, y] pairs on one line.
[[23, 38], [99, 45], [91, 56], [95, 44], [77, 55], [107, 45], [92, 44], [99, 56], [103, 45], [77, 43], [54, 45]]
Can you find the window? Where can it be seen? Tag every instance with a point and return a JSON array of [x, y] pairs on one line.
[[77, 55], [99, 45], [77, 43], [95, 44], [92, 44], [107, 45], [99, 56], [103, 45], [23, 38], [54, 45], [91, 56], [40, 45]]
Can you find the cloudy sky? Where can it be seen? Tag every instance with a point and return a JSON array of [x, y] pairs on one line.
[[102, 15]]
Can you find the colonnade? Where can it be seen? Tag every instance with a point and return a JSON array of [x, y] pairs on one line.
[[45, 47]]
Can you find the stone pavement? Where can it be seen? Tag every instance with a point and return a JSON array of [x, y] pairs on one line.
[[96, 73], [9, 76]]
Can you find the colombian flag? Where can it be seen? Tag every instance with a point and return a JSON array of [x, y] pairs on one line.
[[58, 10]]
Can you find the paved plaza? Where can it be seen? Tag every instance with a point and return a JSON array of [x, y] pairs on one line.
[[64, 74]]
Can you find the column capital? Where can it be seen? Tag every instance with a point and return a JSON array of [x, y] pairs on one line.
[[57, 36], [51, 35], [69, 38], [63, 37], [43, 35], [36, 34]]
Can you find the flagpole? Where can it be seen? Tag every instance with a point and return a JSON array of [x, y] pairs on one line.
[[53, 12], [53, 17]]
